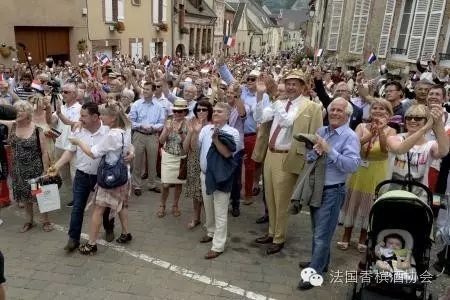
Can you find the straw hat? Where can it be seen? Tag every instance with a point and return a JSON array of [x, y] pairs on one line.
[[295, 74], [180, 104]]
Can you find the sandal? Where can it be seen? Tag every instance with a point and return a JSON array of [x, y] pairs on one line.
[[47, 227], [193, 224], [176, 211], [362, 248], [342, 245], [27, 226], [124, 238], [88, 249], [161, 212]]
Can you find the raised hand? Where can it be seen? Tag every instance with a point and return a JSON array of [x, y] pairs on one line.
[[260, 85]]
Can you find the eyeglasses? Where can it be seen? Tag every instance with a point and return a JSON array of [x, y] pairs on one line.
[[415, 118], [157, 86], [201, 110], [251, 79], [341, 91], [66, 92]]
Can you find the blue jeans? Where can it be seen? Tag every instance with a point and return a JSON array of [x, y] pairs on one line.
[[324, 221], [82, 186], [237, 176]]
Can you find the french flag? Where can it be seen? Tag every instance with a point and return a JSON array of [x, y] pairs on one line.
[[372, 58], [103, 59], [166, 62], [229, 41]]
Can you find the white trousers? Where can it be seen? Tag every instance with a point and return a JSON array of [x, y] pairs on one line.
[[216, 210]]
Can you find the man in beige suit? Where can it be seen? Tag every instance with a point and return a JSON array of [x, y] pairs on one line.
[[285, 156]]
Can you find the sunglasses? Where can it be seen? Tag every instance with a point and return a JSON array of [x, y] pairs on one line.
[[201, 110], [178, 111], [251, 79], [157, 86], [415, 118]]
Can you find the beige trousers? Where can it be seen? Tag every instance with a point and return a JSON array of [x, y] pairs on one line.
[[278, 186], [144, 143]]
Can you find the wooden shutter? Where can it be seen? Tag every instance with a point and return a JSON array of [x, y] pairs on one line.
[[120, 10], [335, 24], [383, 46], [152, 49], [359, 26], [433, 28], [109, 11], [155, 11], [418, 29], [164, 49], [164, 11]]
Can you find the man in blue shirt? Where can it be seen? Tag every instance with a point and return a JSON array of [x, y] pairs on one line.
[[341, 147], [147, 118]]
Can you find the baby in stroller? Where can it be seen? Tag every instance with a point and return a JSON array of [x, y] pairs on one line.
[[394, 255]]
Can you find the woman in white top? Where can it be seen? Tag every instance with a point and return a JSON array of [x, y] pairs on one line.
[[419, 120], [111, 145]]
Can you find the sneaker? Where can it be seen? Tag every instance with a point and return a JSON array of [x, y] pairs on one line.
[[71, 245], [69, 204]]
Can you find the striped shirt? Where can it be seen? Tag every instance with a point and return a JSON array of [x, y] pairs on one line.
[[147, 113], [23, 94]]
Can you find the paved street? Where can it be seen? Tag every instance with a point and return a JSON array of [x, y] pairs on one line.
[[164, 261]]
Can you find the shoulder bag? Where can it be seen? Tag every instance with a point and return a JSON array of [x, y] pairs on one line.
[[112, 176]]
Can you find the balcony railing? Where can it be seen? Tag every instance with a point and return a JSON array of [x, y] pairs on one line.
[[444, 56], [399, 51]]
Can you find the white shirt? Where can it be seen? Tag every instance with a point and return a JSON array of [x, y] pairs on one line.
[[73, 114], [205, 141], [83, 162], [111, 145], [276, 111]]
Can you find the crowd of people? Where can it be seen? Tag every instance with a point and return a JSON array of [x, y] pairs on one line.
[[317, 136]]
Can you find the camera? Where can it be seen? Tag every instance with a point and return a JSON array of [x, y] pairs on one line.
[[446, 105]]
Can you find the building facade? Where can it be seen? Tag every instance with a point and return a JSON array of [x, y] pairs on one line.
[[407, 30], [42, 36], [193, 28], [135, 28]]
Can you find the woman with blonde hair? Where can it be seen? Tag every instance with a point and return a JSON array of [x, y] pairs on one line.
[[27, 142], [414, 147], [373, 170], [113, 148]]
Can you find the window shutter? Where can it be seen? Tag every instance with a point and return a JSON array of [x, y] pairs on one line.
[[359, 28], [120, 10], [433, 28], [383, 46], [335, 24], [108, 11], [164, 49], [164, 11], [418, 28], [155, 12], [152, 49]]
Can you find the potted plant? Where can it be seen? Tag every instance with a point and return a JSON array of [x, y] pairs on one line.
[[120, 27], [5, 51], [82, 45], [184, 30], [163, 27]]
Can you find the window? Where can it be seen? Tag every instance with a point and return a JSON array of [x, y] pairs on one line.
[[159, 11], [386, 28], [135, 48], [335, 24], [445, 55], [419, 28], [359, 28], [114, 10]]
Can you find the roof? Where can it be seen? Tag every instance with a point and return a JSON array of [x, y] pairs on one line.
[[300, 5], [259, 12], [252, 27], [206, 12], [228, 7], [239, 8], [292, 19]]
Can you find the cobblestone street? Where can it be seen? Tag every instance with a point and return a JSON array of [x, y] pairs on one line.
[[164, 261]]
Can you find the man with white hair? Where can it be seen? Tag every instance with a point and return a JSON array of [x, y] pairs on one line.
[[66, 115], [340, 146]]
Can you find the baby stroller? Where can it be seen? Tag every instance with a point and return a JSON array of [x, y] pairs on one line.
[[405, 214]]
